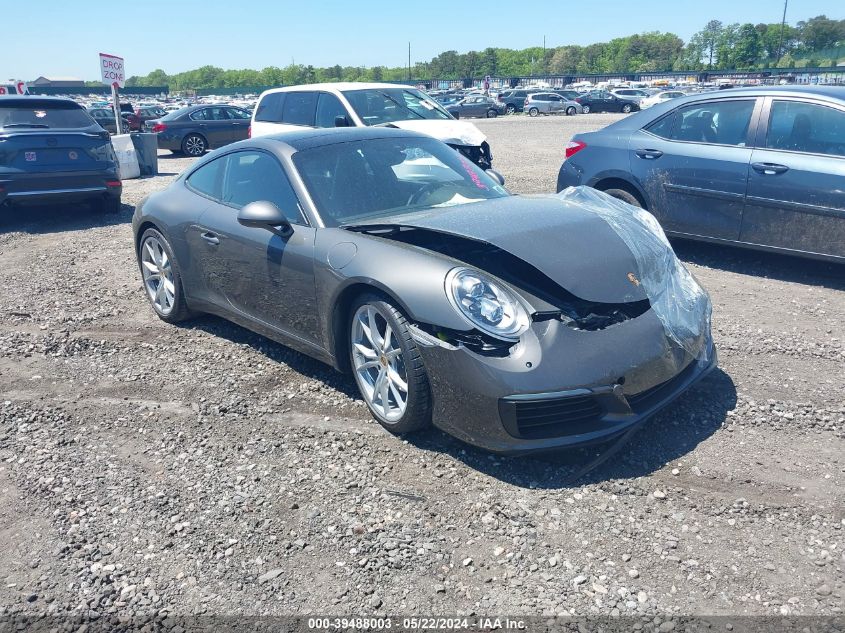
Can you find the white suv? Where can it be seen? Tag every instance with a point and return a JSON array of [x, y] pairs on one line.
[[363, 104]]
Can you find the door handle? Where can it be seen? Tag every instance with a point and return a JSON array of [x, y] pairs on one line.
[[769, 169], [649, 153], [211, 238]]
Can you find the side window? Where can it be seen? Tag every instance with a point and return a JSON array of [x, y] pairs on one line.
[[329, 107], [806, 127], [719, 122], [236, 113], [199, 115], [299, 108], [270, 108], [251, 176], [206, 179], [217, 114], [663, 126]]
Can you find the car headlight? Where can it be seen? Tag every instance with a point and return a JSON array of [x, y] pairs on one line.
[[486, 304]]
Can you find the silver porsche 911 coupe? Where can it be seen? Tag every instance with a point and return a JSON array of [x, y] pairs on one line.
[[516, 324]]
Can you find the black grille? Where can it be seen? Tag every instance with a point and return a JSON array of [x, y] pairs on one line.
[[537, 419]]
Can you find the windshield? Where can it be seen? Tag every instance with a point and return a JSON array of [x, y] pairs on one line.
[[43, 115], [362, 181], [386, 105]]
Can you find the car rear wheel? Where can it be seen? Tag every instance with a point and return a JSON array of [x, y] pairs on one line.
[[533, 112], [585, 109], [492, 114], [194, 145], [387, 366], [571, 110], [624, 196], [162, 278], [626, 108], [510, 109]]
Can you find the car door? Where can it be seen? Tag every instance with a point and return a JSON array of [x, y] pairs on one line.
[[796, 187], [239, 122], [260, 274], [211, 125], [555, 104], [329, 108], [693, 166]]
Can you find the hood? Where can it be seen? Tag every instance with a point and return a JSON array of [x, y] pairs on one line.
[[571, 245], [447, 130]]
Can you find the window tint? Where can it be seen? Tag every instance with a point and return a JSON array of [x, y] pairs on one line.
[[31, 112], [236, 113], [299, 108], [253, 176], [217, 114], [329, 107], [663, 126], [270, 108], [206, 179], [720, 122], [200, 115], [806, 127]]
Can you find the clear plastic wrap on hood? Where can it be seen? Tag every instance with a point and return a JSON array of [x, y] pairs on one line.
[[675, 295]]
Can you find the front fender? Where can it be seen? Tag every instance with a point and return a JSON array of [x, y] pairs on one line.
[[348, 262]]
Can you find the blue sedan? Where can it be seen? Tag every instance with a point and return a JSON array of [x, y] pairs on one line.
[[757, 167]]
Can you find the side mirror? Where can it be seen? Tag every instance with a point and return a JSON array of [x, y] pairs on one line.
[[263, 214], [496, 176], [341, 121]]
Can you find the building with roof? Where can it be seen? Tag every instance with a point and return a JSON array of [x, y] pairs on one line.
[[58, 82]]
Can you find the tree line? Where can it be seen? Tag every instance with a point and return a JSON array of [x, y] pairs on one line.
[[818, 41]]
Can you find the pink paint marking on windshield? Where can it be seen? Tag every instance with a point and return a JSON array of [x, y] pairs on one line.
[[472, 174]]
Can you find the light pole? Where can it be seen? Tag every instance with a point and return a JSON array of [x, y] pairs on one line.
[[782, 28]]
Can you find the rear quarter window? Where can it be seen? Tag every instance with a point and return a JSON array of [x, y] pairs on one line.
[[663, 126], [270, 108], [299, 108]]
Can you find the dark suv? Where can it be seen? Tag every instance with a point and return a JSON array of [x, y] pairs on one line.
[[51, 150], [514, 99]]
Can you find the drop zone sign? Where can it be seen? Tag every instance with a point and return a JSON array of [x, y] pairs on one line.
[[112, 71]]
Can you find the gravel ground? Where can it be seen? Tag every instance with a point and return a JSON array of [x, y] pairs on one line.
[[149, 470]]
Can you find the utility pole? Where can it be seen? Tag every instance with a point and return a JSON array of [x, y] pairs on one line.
[[544, 53], [782, 28], [409, 62]]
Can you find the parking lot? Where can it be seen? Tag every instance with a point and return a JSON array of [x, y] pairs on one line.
[[148, 469]]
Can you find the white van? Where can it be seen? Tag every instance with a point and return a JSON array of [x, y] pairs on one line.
[[364, 104]]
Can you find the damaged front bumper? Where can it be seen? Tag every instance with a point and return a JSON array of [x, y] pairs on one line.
[[560, 387]]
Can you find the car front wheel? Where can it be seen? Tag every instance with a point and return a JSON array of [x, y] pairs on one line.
[[626, 108], [387, 366], [492, 114], [162, 278], [510, 109], [571, 111]]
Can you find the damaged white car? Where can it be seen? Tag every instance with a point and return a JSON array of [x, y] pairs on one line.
[[351, 104]]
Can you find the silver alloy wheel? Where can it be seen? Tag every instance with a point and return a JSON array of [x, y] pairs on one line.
[[194, 145], [585, 109], [378, 364], [158, 275]]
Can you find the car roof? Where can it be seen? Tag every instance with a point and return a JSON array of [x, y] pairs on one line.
[[6, 99], [837, 92], [308, 138], [339, 85]]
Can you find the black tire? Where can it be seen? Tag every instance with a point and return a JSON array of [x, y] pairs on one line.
[[624, 196], [510, 109], [492, 114], [585, 109], [176, 152], [194, 145], [417, 415], [180, 311], [533, 112], [571, 110], [626, 108]]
